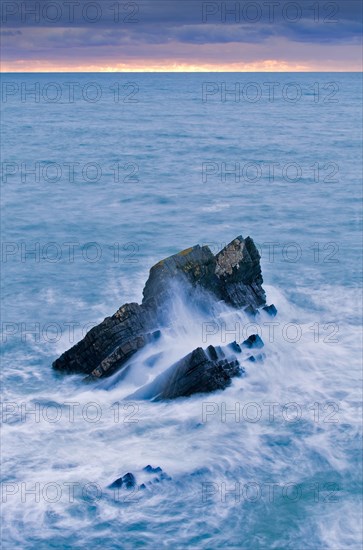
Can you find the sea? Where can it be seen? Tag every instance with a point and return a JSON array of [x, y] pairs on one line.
[[103, 175]]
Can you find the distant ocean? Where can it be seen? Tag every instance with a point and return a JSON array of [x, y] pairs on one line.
[[102, 176]]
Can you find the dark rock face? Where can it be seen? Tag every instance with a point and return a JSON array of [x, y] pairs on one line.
[[127, 481], [259, 358], [239, 272], [270, 310], [253, 341], [109, 344], [201, 371], [233, 276], [195, 265], [152, 470]]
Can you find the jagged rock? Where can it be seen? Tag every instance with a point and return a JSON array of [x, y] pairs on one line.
[[162, 476], [108, 345], [253, 341], [201, 371], [195, 265], [235, 347], [152, 470], [239, 271], [233, 275], [270, 310], [256, 358], [251, 311], [128, 481]]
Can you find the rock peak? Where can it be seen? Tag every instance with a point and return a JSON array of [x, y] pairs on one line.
[[233, 276]]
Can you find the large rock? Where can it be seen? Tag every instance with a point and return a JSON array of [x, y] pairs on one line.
[[233, 275], [201, 371], [107, 346], [239, 274]]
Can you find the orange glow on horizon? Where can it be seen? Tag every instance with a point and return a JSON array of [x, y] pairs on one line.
[[268, 65]]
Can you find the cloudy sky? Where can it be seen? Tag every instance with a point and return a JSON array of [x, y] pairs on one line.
[[177, 35]]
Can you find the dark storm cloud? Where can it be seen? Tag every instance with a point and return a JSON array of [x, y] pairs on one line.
[[50, 27], [168, 16]]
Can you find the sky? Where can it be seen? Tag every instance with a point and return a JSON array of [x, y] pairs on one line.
[[181, 35]]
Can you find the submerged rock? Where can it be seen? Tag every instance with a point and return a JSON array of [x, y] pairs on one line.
[[128, 481], [259, 358], [233, 276], [152, 470]]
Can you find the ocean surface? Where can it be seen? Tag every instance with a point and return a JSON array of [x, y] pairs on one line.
[[103, 175]]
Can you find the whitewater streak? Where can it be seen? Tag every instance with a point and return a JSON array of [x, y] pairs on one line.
[[283, 413]]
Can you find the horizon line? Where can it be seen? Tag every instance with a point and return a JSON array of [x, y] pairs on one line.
[[169, 66], [179, 71]]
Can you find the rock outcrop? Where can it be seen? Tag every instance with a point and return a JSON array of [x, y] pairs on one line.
[[128, 481], [201, 371], [109, 345], [233, 276]]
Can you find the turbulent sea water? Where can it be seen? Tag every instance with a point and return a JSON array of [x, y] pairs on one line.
[[153, 153]]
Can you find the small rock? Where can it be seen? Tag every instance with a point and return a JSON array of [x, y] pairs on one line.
[[128, 481], [256, 358], [235, 347], [270, 310], [163, 476], [253, 341], [152, 470], [251, 311]]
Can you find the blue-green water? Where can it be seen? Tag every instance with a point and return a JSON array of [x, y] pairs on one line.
[[128, 169]]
